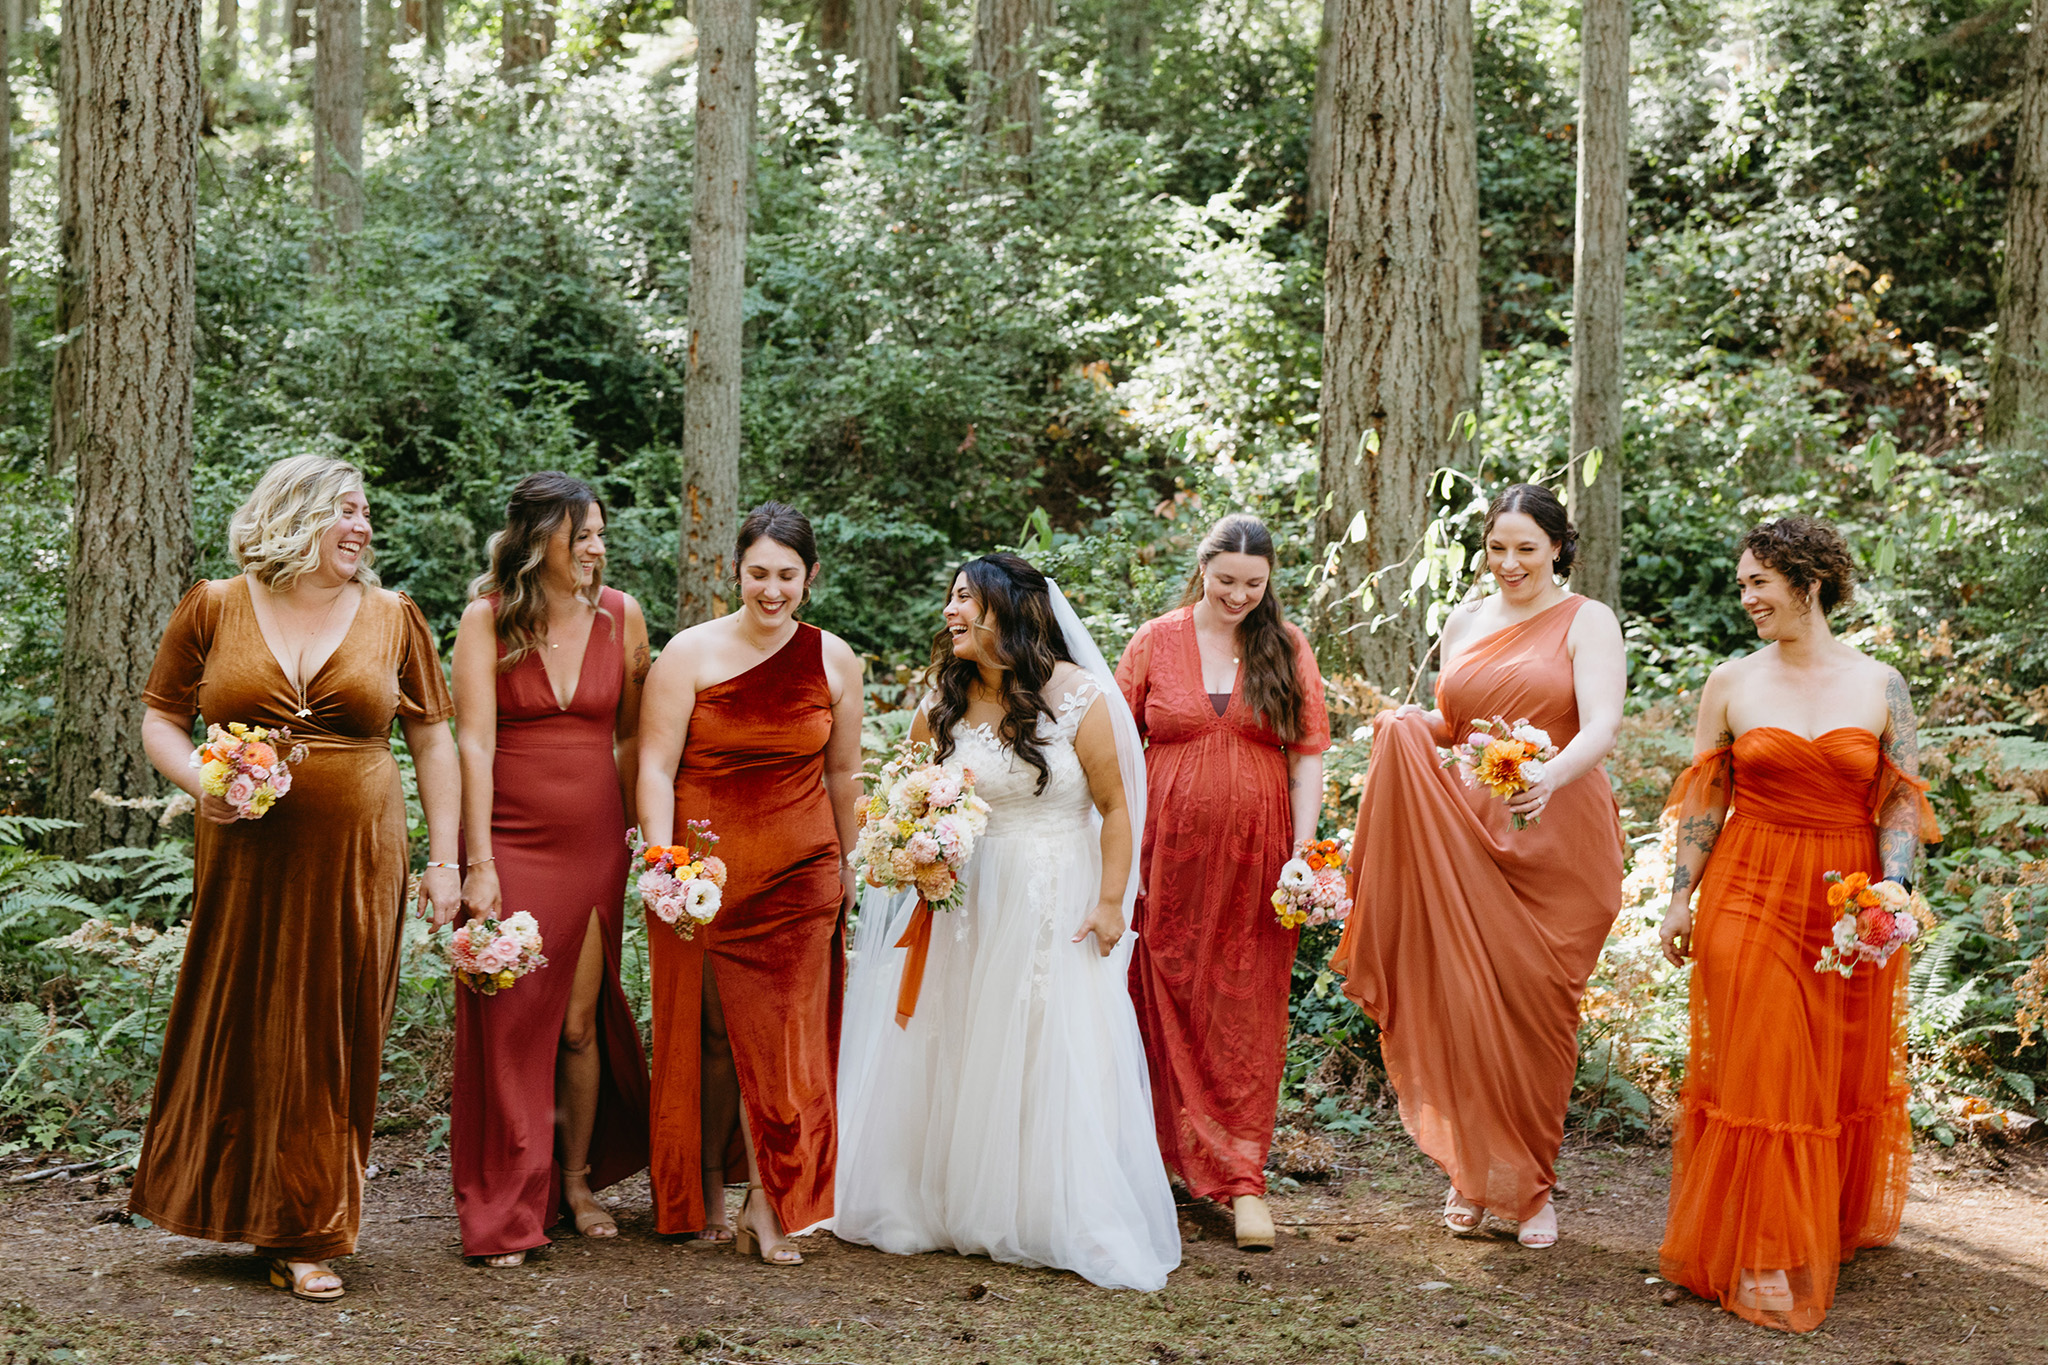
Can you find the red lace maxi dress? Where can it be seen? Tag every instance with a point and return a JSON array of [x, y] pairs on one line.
[[1793, 1146], [558, 832], [1211, 971], [754, 766]]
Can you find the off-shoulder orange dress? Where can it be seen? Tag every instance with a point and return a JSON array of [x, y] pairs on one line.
[[1470, 941], [1211, 972], [754, 766], [267, 1090], [1793, 1146]]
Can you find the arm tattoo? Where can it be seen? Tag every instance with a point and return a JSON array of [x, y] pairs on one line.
[[1695, 832], [1896, 850], [1681, 881], [1901, 735], [641, 664], [1725, 738], [1898, 841]]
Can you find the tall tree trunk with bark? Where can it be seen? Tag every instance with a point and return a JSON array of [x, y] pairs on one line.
[[132, 537], [718, 266], [875, 48], [2018, 413], [338, 121], [836, 20], [434, 25], [9, 25], [266, 22], [302, 24], [1323, 115], [74, 221], [1007, 36], [1400, 311], [1599, 267], [227, 38], [528, 36]]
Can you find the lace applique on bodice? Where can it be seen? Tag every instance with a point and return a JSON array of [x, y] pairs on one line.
[[1017, 809]]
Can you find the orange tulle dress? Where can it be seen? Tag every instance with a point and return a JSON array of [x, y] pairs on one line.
[[1471, 941], [1792, 1148]]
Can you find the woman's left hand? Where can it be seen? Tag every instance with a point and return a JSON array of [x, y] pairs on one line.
[[849, 887], [1106, 922], [1529, 804], [440, 895]]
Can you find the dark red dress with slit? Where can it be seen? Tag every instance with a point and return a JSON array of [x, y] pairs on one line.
[[754, 766], [558, 833]]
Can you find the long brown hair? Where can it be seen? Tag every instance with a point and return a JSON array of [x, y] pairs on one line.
[[1272, 687], [540, 504], [1028, 644]]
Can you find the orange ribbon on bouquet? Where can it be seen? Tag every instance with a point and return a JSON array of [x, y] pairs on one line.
[[917, 938]]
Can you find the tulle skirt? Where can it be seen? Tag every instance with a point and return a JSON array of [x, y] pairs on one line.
[[1012, 1117]]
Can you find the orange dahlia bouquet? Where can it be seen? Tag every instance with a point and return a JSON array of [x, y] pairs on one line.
[[1875, 920], [1505, 759], [1312, 888]]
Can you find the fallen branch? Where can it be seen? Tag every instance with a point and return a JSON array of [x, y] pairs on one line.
[[46, 1173]]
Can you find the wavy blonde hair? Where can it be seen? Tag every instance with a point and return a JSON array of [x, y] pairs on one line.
[[275, 535]]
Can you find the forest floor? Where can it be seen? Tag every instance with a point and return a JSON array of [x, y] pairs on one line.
[[1364, 1273]]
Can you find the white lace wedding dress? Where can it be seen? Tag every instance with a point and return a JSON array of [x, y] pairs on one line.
[[1012, 1117]]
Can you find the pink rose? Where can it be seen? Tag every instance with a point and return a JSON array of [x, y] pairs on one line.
[[282, 782], [922, 847], [240, 789], [714, 870]]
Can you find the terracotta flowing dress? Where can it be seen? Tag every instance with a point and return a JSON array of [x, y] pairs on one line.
[[1793, 1147], [558, 833], [1470, 941], [260, 1124], [754, 766], [1211, 972]]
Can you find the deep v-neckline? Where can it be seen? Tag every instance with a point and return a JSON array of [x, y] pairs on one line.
[[1194, 648], [576, 684], [302, 689]]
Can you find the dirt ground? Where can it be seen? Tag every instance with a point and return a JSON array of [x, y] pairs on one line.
[[1364, 1273]]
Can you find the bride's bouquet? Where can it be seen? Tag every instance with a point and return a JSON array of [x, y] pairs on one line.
[[682, 885], [247, 766], [1876, 921], [1312, 889], [1505, 759], [917, 831], [490, 954]]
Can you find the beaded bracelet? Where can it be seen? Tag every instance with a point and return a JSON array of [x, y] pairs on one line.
[[450, 866]]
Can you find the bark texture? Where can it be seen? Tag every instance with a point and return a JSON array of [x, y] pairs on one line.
[[718, 260], [227, 37], [74, 215], [338, 117], [875, 50], [1007, 36], [528, 35], [1599, 268], [835, 22], [131, 550], [1323, 115], [1400, 309], [2018, 414]]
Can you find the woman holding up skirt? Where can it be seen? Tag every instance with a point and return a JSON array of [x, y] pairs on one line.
[[1793, 1146], [550, 1099], [1470, 941]]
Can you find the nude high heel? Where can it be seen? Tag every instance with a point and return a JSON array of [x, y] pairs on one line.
[[747, 1242], [1254, 1223]]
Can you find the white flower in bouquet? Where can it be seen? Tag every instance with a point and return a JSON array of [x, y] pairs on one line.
[[1532, 770], [1295, 876]]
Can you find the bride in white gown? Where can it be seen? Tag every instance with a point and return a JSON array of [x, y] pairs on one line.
[[1011, 1115]]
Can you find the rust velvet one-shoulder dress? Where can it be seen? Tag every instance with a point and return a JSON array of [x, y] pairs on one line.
[[260, 1125], [1470, 941], [754, 766], [1793, 1145], [558, 833]]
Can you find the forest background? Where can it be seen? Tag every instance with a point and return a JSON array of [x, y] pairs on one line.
[[1084, 328]]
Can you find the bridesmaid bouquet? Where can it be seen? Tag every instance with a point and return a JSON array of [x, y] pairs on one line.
[[1505, 759], [1876, 921], [490, 954], [247, 766], [1311, 888], [917, 830], [681, 884]]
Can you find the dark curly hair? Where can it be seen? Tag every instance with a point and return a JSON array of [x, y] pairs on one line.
[[1541, 506], [1809, 553], [1271, 686], [1028, 644]]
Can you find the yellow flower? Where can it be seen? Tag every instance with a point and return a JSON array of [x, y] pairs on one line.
[[262, 800], [505, 979], [213, 778]]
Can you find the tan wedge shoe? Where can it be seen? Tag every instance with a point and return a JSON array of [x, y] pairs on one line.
[[1254, 1223]]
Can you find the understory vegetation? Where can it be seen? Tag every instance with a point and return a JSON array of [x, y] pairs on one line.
[[1090, 355]]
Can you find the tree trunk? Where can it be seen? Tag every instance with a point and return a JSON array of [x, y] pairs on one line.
[[718, 262], [2018, 413], [132, 536], [875, 47], [266, 22], [1322, 116], [227, 38], [1400, 310], [1599, 265], [836, 20], [434, 25], [74, 220], [912, 69], [9, 25], [529, 35], [302, 24], [1007, 36], [338, 121]]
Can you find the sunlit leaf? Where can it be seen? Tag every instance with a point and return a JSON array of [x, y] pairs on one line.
[[1590, 469]]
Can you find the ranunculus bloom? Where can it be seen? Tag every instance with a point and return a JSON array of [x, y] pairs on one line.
[[701, 900], [1876, 927], [1891, 895], [714, 870], [922, 846]]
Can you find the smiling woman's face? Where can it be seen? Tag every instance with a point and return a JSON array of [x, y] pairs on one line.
[[772, 582], [1773, 604], [343, 546], [576, 553], [970, 624], [1234, 583], [1519, 555]]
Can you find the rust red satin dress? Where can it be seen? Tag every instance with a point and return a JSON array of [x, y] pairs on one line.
[[1470, 941], [558, 833], [1211, 972], [267, 1090], [1793, 1145], [754, 766]]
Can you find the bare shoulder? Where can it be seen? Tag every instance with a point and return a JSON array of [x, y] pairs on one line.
[[838, 654], [631, 606], [479, 613], [1596, 615]]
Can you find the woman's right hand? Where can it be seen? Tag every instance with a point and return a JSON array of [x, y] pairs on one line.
[[217, 809], [481, 898], [1435, 722], [1675, 933]]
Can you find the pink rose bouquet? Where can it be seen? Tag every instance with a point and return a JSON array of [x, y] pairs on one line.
[[490, 954], [918, 827], [1312, 889], [247, 766], [682, 885], [1875, 920]]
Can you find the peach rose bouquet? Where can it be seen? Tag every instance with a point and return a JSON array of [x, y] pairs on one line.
[[1312, 889], [918, 827], [247, 766], [682, 885], [489, 954], [1876, 920]]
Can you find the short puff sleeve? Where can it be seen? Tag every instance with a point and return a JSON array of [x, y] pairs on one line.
[[1134, 673], [423, 694], [173, 685]]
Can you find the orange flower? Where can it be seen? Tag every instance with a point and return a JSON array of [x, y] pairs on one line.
[[653, 854], [1838, 895], [1499, 768]]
